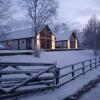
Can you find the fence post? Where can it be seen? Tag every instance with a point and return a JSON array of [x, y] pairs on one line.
[[57, 74], [73, 70], [54, 72], [99, 61], [83, 69], [0, 77], [95, 63], [90, 64]]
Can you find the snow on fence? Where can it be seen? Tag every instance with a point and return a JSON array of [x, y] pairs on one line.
[[20, 80], [41, 77], [70, 72]]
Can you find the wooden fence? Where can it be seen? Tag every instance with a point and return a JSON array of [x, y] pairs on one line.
[[41, 77], [18, 80], [70, 72]]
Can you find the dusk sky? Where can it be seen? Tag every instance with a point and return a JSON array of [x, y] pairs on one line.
[[76, 12]]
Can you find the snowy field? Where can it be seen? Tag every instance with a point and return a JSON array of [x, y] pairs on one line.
[[61, 58], [63, 91]]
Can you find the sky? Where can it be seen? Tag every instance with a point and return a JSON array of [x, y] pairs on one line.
[[78, 12], [74, 12]]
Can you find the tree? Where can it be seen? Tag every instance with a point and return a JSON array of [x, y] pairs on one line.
[[61, 27], [91, 32], [5, 13], [40, 11]]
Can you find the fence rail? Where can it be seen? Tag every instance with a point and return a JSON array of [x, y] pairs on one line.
[[74, 72], [45, 77], [24, 75]]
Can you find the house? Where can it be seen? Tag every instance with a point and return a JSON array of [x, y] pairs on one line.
[[67, 40], [25, 39]]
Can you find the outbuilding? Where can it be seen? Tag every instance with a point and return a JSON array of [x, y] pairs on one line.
[[67, 40]]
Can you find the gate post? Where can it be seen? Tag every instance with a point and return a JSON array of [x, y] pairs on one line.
[[57, 74], [95, 63], [54, 72]]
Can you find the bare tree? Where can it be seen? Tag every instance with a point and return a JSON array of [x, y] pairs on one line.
[[5, 13], [40, 11], [90, 33], [61, 27], [57, 28], [65, 27]]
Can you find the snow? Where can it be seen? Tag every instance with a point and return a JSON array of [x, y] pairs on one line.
[[65, 90], [15, 51], [94, 94], [63, 36], [61, 58], [25, 33]]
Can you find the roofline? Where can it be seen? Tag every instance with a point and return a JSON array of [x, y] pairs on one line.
[[26, 37], [18, 30], [15, 39], [60, 40], [74, 34]]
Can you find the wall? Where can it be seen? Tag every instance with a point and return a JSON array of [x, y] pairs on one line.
[[68, 44], [22, 44], [33, 43], [14, 44], [53, 42], [76, 43]]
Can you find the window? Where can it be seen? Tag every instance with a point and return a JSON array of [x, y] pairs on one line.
[[58, 44], [9, 43], [64, 44]]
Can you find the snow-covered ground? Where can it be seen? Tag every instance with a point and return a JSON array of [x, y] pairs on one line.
[[62, 58], [94, 94], [65, 90], [14, 51]]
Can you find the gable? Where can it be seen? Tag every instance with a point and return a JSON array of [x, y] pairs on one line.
[[65, 36], [72, 37], [46, 32]]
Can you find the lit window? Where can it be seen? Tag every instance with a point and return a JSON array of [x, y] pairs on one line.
[[9, 43]]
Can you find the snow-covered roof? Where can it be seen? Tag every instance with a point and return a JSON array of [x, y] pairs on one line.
[[25, 33], [19, 34], [63, 36]]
